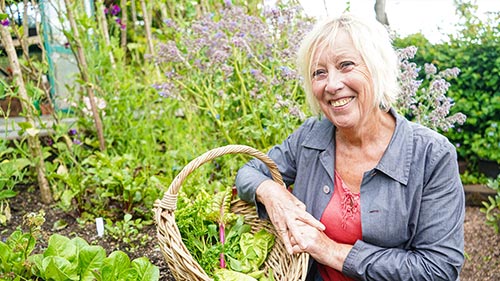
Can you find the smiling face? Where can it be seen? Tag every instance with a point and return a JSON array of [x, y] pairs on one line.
[[342, 84]]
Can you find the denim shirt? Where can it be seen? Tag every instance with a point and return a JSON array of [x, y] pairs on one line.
[[412, 202]]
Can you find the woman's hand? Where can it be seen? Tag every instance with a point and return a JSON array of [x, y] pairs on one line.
[[286, 212], [311, 240]]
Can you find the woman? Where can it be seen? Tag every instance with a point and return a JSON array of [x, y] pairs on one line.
[[374, 196]]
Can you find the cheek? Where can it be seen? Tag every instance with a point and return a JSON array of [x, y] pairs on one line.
[[363, 82], [317, 89]]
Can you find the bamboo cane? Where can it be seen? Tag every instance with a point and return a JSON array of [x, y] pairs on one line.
[[123, 33], [82, 66], [147, 25], [33, 141], [101, 19]]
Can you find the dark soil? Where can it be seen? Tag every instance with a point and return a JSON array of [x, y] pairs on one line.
[[482, 245]]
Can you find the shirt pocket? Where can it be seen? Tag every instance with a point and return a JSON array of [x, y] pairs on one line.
[[387, 218]]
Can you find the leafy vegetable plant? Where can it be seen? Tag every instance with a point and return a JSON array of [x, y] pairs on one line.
[[12, 171], [212, 233], [75, 259], [16, 249], [128, 230]]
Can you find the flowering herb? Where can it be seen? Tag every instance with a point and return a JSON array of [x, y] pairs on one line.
[[238, 69], [428, 105]]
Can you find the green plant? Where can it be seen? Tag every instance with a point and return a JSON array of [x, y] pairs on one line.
[[212, 233], [100, 184], [75, 259], [221, 66], [119, 180], [491, 207], [16, 250], [13, 170], [128, 231], [487, 145], [475, 50], [424, 100]]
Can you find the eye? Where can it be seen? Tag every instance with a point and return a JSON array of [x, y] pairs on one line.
[[346, 65], [319, 74]]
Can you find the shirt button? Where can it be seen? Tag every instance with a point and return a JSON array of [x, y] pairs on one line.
[[326, 189]]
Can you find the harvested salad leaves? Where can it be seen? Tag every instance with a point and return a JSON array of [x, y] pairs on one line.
[[219, 240]]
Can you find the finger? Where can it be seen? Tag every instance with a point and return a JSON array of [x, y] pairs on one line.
[[312, 221], [285, 237], [296, 249]]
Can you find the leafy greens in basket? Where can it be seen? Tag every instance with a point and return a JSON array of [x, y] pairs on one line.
[[219, 240]]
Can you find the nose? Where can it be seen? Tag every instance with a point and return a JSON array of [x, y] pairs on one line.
[[334, 82]]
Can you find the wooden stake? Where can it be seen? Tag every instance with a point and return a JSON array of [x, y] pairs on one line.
[[33, 141], [82, 66]]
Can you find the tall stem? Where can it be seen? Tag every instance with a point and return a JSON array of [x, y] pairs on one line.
[[101, 19], [123, 31], [33, 141], [147, 25], [82, 65]]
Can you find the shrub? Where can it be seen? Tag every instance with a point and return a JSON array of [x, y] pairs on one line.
[[475, 49]]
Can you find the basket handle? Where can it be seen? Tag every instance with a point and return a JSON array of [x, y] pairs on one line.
[[169, 201]]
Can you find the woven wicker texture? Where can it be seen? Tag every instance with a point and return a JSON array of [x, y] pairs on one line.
[[285, 267]]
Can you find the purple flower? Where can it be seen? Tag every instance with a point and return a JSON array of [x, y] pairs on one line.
[[168, 52], [166, 90], [169, 23], [72, 132], [407, 53], [5, 22], [430, 69], [120, 23], [115, 9], [287, 73]]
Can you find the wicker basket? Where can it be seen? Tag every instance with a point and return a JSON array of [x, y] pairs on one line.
[[182, 265]]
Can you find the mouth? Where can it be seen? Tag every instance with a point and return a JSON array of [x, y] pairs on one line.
[[341, 102]]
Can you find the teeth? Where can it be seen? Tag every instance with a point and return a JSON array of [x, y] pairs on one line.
[[340, 102]]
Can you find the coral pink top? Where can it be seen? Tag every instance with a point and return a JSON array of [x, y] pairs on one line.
[[342, 219]]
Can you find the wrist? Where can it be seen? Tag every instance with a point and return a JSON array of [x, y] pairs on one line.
[[263, 190]]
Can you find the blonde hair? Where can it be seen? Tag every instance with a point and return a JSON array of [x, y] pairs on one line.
[[371, 39]]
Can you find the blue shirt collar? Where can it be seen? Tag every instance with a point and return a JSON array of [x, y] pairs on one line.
[[396, 160]]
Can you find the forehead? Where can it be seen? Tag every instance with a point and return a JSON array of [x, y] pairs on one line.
[[337, 45]]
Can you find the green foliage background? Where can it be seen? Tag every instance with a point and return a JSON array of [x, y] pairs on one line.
[[475, 49]]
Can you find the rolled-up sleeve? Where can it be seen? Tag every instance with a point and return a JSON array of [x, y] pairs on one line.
[[254, 172]]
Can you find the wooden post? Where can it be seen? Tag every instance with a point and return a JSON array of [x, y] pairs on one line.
[[101, 19], [33, 141], [147, 25], [123, 32], [82, 66]]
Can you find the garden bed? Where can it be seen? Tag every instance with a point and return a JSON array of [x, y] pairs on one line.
[[482, 245]]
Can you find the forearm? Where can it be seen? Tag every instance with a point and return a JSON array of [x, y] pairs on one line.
[[369, 262]]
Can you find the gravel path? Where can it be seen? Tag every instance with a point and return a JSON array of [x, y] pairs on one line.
[[482, 248]]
